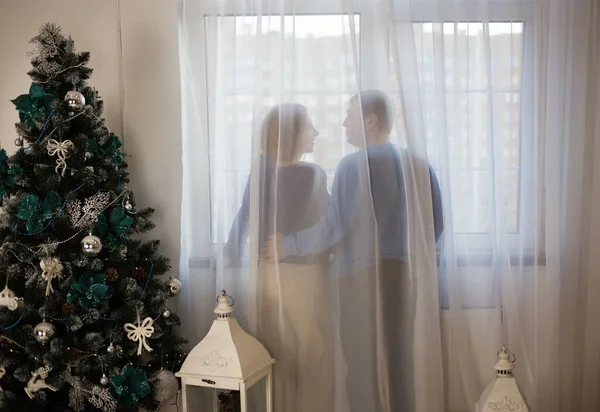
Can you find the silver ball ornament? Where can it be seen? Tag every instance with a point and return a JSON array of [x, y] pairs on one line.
[[110, 349], [91, 245], [19, 141], [173, 286], [43, 332], [166, 313], [104, 379], [75, 100], [128, 206], [164, 385]]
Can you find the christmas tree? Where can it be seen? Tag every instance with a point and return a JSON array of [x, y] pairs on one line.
[[84, 316]]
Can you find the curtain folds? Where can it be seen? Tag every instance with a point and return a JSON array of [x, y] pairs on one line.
[[392, 190]]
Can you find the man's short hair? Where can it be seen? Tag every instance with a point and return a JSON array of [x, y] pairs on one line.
[[378, 103]]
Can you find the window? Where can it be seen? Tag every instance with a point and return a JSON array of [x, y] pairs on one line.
[[486, 125], [301, 76], [488, 87], [488, 106], [476, 93]]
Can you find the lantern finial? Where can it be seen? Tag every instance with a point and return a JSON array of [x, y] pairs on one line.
[[505, 364], [224, 309]]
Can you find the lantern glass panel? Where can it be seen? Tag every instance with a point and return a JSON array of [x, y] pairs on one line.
[[203, 399]]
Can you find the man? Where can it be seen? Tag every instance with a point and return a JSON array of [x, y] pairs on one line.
[[373, 203]]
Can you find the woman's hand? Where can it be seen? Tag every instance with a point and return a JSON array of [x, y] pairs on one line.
[[272, 248]]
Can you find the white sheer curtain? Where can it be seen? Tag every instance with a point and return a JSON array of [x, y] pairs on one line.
[[498, 97]]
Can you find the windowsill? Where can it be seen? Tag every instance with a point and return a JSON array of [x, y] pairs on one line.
[[487, 259], [462, 260]]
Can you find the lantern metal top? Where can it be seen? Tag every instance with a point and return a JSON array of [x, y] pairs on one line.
[[505, 364], [224, 309]]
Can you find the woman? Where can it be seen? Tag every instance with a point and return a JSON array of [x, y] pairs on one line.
[[291, 307]]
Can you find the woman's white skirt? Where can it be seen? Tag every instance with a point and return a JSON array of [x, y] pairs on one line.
[[293, 324]]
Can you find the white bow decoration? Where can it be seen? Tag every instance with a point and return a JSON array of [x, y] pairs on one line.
[[60, 149], [139, 333], [51, 269]]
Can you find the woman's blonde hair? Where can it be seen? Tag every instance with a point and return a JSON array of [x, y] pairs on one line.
[[281, 128]]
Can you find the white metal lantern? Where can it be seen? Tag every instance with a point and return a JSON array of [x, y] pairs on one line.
[[227, 359], [503, 393]]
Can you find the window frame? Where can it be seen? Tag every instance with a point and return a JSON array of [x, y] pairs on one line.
[[525, 242], [424, 11]]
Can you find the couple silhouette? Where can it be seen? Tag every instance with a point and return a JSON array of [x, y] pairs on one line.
[[336, 296]]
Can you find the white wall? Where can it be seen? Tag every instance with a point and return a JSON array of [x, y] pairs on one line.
[[150, 69]]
